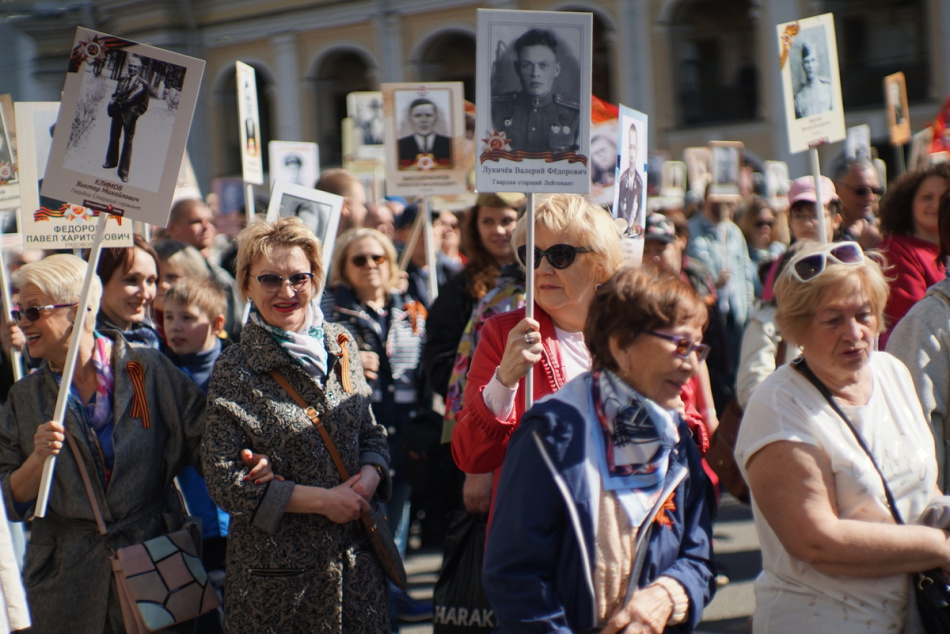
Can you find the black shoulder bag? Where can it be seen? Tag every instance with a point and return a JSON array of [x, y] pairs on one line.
[[930, 588]]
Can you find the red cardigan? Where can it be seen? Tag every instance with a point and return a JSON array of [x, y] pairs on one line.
[[914, 270], [480, 440]]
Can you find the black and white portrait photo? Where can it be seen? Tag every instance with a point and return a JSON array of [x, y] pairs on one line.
[[813, 92], [811, 84], [726, 165], [296, 162], [425, 140], [121, 131], [365, 109], [534, 69], [124, 118], [603, 160], [631, 184], [252, 162], [542, 113], [319, 210], [898, 119]]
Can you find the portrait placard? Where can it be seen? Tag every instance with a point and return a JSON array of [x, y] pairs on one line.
[[674, 180], [319, 210], [920, 149], [857, 145], [630, 191], [9, 178], [726, 166], [898, 118], [55, 224], [187, 186], [603, 161], [295, 162], [808, 62], [534, 69], [252, 158], [776, 184], [699, 168], [117, 90], [425, 138], [368, 133]]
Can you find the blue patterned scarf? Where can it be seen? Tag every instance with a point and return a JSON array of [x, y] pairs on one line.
[[307, 346]]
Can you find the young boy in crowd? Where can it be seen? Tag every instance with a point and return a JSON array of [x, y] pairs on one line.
[[194, 310]]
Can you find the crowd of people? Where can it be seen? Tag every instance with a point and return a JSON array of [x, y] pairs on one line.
[[245, 376]]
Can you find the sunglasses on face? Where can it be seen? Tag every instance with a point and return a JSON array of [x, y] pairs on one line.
[[684, 347], [560, 256], [33, 312], [877, 190], [359, 261], [271, 283], [810, 266]]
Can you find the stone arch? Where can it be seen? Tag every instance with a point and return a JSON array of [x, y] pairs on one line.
[[447, 54], [603, 45]]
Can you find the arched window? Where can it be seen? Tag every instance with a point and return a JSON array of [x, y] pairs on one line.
[[450, 56], [229, 133], [878, 38], [713, 50], [339, 74]]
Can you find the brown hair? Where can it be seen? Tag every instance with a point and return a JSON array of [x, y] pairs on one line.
[[634, 301], [203, 292], [482, 268], [115, 258], [897, 206]]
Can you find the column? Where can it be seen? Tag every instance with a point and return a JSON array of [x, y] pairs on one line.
[[287, 90]]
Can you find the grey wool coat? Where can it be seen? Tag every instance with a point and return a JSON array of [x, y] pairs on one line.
[[68, 575], [292, 572]]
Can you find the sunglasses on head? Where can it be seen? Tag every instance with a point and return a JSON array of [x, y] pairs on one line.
[[272, 283], [808, 267], [33, 312], [684, 347], [864, 190], [560, 256], [360, 261]]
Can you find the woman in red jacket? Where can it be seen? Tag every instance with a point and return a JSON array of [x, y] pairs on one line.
[[577, 248], [909, 220]]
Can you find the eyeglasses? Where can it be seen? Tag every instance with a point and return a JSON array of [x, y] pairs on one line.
[[271, 283], [808, 267], [684, 347], [360, 261], [560, 256], [864, 190], [33, 312]]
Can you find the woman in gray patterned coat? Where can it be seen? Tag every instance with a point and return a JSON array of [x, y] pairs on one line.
[[136, 420], [297, 561]]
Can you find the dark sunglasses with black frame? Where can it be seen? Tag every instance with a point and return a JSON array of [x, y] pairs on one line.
[[560, 256]]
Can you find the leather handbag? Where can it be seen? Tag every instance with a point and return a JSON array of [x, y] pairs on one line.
[[161, 581], [374, 522], [931, 590]]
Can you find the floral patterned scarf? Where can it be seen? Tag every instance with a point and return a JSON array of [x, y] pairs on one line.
[[306, 346]]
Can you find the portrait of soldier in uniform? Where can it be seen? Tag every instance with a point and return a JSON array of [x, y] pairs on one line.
[[128, 103], [537, 118], [425, 148], [813, 95], [293, 169], [630, 196]]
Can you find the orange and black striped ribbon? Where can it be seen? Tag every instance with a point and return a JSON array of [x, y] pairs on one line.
[[139, 403], [344, 355]]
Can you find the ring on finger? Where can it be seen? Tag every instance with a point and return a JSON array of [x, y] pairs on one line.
[[529, 338]]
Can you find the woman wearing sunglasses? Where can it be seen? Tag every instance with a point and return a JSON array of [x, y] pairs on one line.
[[297, 561], [136, 420], [601, 520], [834, 559], [909, 213], [389, 329], [577, 248]]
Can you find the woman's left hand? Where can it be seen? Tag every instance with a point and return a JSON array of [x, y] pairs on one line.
[[260, 468], [369, 480], [648, 612]]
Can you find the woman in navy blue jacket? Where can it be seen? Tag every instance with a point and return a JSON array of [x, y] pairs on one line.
[[603, 485]]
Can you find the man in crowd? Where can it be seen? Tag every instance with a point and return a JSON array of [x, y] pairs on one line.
[[860, 192], [718, 243], [191, 221], [424, 148], [536, 118], [343, 183]]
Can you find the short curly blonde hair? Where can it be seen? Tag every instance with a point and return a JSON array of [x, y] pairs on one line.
[[260, 237], [581, 222]]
